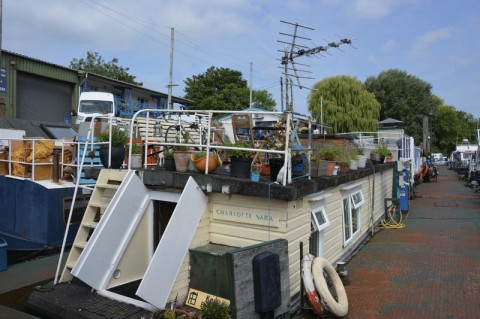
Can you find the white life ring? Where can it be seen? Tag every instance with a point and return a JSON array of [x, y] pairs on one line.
[[340, 307], [308, 286]]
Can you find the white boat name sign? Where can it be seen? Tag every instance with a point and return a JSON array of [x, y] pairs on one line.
[[245, 215]]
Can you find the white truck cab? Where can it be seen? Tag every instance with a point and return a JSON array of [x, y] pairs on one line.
[[94, 104]]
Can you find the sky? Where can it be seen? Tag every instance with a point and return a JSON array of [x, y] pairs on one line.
[[434, 40]]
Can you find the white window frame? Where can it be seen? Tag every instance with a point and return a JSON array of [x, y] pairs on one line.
[[357, 199], [317, 239], [316, 223], [354, 206]]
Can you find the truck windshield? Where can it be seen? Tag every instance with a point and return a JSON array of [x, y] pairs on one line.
[[102, 107]]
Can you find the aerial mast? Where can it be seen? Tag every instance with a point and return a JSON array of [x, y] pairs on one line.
[[292, 51], [170, 85]]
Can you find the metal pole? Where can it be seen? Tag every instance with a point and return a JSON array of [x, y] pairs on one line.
[[170, 106], [430, 131], [251, 67], [281, 93], [321, 115], [1, 22]]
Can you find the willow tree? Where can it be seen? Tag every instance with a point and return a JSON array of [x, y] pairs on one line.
[[347, 105]]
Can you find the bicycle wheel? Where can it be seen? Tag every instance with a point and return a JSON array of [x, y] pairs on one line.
[[171, 130]]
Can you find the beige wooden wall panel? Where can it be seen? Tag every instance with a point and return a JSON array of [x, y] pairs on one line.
[[294, 225], [333, 235], [201, 238]]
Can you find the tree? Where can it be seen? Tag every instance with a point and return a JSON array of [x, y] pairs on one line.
[[94, 63], [223, 89], [403, 97], [347, 106], [263, 99], [445, 126]]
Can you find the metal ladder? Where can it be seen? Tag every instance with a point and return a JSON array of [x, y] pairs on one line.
[[107, 184]]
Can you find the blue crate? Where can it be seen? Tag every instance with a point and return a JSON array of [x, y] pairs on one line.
[[3, 254]]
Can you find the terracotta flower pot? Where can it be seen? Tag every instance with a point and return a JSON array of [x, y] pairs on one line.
[[330, 167], [201, 163], [344, 167]]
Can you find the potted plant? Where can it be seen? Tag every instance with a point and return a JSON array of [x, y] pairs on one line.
[[199, 160], [274, 139], [117, 143], [329, 153], [299, 159], [353, 158], [240, 160], [379, 153], [213, 308], [362, 159], [343, 161], [169, 162], [136, 158], [181, 154], [314, 166]]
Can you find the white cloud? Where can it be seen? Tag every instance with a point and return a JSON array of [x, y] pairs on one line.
[[422, 43], [389, 46], [374, 9]]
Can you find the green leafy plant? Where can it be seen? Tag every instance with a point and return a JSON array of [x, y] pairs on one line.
[[355, 152], [275, 139], [240, 153], [213, 308], [199, 155], [168, 153], [343, 158], [181, 148], [328, 152], [136, 148], [298, 157], [119, 136], [382, 150]]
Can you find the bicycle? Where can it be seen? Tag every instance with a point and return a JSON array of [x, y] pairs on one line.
[[433, 173], [195, 133]]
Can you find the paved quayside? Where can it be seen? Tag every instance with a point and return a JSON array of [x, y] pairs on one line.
[[428, 269]]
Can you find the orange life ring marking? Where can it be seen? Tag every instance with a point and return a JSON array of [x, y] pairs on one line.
[[340, 307], [310, 291]]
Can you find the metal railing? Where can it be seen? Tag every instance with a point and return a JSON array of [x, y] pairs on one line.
[[150, 137]]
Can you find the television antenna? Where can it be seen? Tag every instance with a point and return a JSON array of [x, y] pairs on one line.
[[294, 49]]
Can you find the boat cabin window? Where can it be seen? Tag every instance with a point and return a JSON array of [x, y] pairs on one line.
[[352, 203], [319, 219], [318, 223]]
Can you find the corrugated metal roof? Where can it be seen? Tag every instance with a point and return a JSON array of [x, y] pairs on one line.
[[31, 128], [37, 60], [175, 99]]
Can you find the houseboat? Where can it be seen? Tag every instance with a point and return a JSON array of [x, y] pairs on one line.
[[174, 238], [34, 197], [463, 157]]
